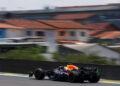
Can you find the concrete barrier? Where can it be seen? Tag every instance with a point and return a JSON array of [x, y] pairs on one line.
[[24, 66]]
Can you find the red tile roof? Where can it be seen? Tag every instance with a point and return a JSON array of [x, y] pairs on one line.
[[61, 24], [106, 5], [74, 16], [108, 35], [8, 26], [101, 26], [27, 24], [93, 32]]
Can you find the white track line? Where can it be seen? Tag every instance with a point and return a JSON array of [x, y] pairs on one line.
[[26, 76], [14, 74]]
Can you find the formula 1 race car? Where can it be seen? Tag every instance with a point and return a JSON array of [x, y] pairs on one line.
[[82, 74]]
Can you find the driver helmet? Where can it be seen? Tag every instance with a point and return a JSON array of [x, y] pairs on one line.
[[72, 67]]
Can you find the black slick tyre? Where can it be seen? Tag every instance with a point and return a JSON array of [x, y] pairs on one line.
[[94, 78], [39, 74], [73, 76]]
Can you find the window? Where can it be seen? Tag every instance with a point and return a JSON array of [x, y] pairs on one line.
[[29, 33], [1, 33], [40, 33], [72, 33], [62, 33], [82, 33]]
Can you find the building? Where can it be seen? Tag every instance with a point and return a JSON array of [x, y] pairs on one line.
[[100, 32], [90, 6], [108, 38], [9, 31], [49, 31], [105, 11], [36, 31], [116, 48], [98, 28], [68, 30], [91, 48], [83, 18]]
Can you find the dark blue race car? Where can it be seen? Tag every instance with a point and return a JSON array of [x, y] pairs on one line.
[[82, 74]]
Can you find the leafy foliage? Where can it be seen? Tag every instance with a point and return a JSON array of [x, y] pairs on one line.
[[30, 53], [81, 58], [57, 56]]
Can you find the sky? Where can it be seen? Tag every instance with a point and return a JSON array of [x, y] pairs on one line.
[[40, 4]]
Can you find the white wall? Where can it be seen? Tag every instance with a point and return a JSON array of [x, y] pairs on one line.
[[24, 32], [13, 33], [82, 38], [50, 38], [78, 35]]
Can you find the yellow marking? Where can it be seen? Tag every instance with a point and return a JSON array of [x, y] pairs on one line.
[[118, 81]]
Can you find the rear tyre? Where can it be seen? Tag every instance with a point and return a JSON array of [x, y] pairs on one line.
[[94, 78], [73, 76], [39, 74]]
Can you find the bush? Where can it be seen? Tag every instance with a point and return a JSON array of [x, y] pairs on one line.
[[31, 53], [81, 58], [57, 56], [34, 50]]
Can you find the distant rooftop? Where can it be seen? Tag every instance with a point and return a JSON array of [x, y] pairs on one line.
[[27, 24], [106, 5], [101, 26], [81, 46], [74, 16], [91, 8], [8, 26], [64, 24], [108, 35]]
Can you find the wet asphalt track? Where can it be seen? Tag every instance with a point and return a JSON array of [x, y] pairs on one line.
[[24, 81]]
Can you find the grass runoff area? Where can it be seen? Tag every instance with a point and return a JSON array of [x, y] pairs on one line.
[[35, 53]]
